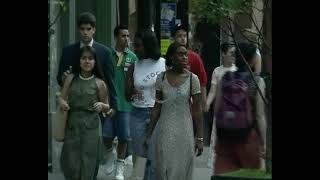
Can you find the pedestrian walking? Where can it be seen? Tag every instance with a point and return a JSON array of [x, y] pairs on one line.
[[240, 144], [118, 125], [84, 96], [171, 118], [141, 91]]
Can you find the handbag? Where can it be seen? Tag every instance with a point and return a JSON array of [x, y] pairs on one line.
[[59, 125], [60, 122]]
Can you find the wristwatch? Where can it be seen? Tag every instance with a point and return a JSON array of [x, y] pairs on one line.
[[200, 139]]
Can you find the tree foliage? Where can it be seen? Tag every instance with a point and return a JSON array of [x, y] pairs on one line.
[[62, 4], [215, 11]]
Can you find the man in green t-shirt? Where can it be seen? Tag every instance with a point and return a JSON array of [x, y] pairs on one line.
[[118, 125]]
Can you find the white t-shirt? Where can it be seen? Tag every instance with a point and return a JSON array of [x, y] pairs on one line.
[[145, 75], [219, 72]]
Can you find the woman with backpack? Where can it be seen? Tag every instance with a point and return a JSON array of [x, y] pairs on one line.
[[228, 50], [240, 117]]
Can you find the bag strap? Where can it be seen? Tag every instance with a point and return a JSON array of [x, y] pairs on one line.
[[190, 84], [163, 76]]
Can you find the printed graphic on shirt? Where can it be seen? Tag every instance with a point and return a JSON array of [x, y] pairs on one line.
[[127, 64], [140, 96], [151, 75]]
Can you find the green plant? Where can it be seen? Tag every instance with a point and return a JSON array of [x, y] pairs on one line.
[[249, 173]]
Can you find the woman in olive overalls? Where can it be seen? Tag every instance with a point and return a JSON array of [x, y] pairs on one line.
[[84, 96]]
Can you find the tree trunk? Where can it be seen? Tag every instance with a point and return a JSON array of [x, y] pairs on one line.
[[266, 53]]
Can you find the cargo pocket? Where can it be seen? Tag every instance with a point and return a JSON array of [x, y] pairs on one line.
[[92, 121]]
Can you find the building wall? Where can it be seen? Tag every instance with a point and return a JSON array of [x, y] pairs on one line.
[[132, 25]]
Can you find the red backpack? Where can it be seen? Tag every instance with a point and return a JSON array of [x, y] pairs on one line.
[[233, 111]]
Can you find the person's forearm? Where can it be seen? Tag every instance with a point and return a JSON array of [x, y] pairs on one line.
[[129, 91], [199, 123], [204, 96], [155, 114], [211, 95], [60, 99], [198, 115], [261, 119], [111, 93], [260, 113], [262, 127], [129, 84]]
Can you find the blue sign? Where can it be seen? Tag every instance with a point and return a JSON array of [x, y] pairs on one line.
[[168, 18]]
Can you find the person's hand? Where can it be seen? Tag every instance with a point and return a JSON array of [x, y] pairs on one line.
[[262, 164], [111, 112], [66, 73], [63, 105], [199, 147], [206, 108], [98, 106], [137, 95]]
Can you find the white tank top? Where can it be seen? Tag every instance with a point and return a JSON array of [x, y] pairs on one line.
[[145, 75]]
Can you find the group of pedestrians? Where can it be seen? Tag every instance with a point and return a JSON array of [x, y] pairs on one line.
[[153, 105]]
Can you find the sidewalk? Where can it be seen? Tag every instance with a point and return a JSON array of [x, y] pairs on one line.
[[201, 171]]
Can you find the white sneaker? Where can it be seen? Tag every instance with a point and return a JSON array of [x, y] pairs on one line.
[[110, 157], [109, 167], [128, 160], [120, 169]]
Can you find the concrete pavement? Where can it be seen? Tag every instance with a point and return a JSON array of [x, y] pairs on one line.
[[201, 171]]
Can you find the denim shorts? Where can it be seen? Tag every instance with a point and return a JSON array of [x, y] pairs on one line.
[[118, 126]]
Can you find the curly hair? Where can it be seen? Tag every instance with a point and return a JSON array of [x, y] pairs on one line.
[[170, 52]]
